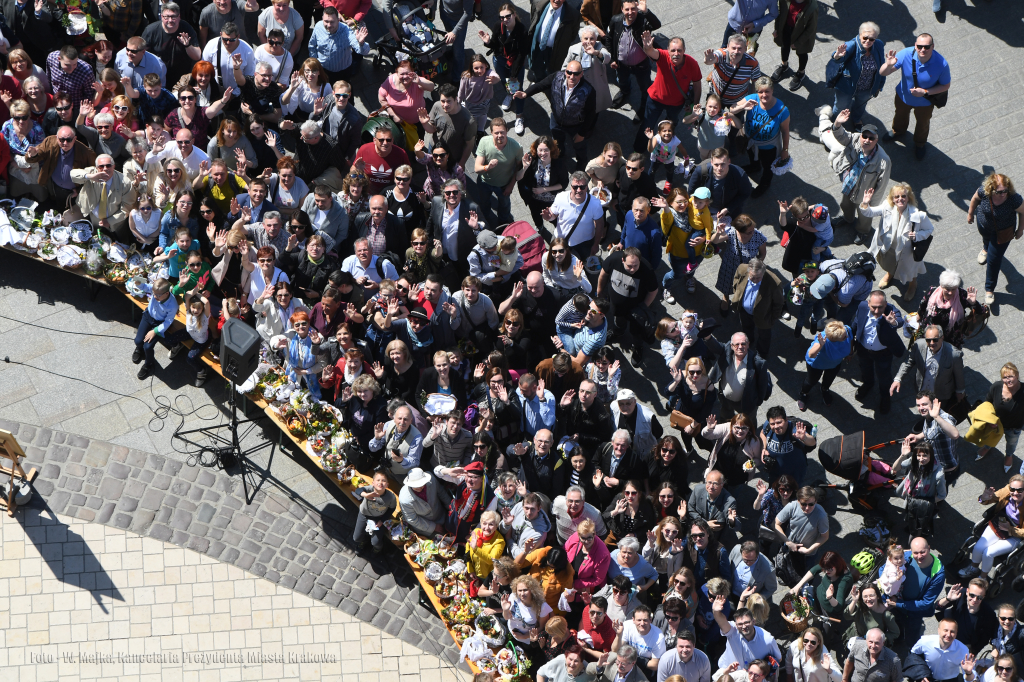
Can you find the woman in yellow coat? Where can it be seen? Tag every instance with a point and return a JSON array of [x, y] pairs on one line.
[[485, 544], [686, 222]]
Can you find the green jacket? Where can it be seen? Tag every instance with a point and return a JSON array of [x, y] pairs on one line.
[[804, 31]]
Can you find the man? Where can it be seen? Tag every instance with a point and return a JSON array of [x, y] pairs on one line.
[[712, 503], [57, 156], [677, 73], [158, 316], [469, 500], [946, 657], [626, 44], [105, 198], [748, 18], [183, 149], [526, 523], [134, 62], [686, 660], [538, 306], [317, 155], [870, 661], [543, 469], [363, 267], [939, 367], [975, 619], [383, 157], [221, 53], [536, 405], [751, 570], [453, 221], [637, 419], [573, 109], [924, 76], [635, 182], [808, 527], [450, 125], [258, 205], [216, 16], [729, 185], [648, 640], [570, 510], [876, 330], [615, 463], [704, 555], [938, 429], [173, 41], [420, 503], [380, 228], [69, 74], [561, 374], [925, 576], [642, 229], [578, 217], [261, 95], [745, 642], [328, 217], [582, 338], [219, 183], [268, 232], [842, 292], [742, 377], [30, 26], [585, 420], [498, 162], [734, 70], [628, 280], [553, 30], [445, 317], [401, 441], [121, 19], [861, 164], [785, 443], [621, 666], [342, 123], [339, 49], [571, 665], [102, 138], [757, 295]]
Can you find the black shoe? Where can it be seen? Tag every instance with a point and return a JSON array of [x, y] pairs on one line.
[[940, 16], [798, 332], [919, 152], [144, 371], [137, 356], [760, 190], [618, 101], [891, 136], [856, 127], [780, 71], [826, 396], [862, 393], [858, 239], [796, 81], [637, 356]]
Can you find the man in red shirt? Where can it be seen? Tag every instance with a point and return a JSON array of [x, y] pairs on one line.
[[379, 159], [677, 73]]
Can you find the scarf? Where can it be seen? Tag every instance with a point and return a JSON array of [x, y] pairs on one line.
[[421, 341], [315, 262], [853, 175], [352, 371], [285, 314], [954, 306], [301, 356], [1001, 639]]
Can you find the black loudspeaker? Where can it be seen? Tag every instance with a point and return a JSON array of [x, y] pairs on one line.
[[239, 350]]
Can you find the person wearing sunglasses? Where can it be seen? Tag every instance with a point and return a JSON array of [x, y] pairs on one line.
[[341, 120], [573, 109], [222, 50], [28, 152], [808, 527], [144, 222], [965, 604], [135, 62], [999, 209], [853, 67], [273, 52], [187, 114], [105, 197], [62, 113], [1005, 668], [924, 80], [1005, 530]]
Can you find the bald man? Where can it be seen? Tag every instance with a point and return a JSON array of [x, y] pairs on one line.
[[539, 307], [57, 156], [922, 586], [105, 197], [399, 443]]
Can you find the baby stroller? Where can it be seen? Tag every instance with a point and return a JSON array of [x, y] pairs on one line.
[[420, 42], [847, 457], [1005, 567]]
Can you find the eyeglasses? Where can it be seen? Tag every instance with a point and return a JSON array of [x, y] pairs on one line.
[[187, 98], [557, 251], [1017, 490], [586, 538], [742, 344], [1003, 668], [868, 40], [401, 288], [102, 127], [300, 324], [672, 619], [439, 155], [419, 243], [632, 169], [265, 260], [924, 47], [668, 451], [20, 118], [275, 43], [451, 192], [119, 107], [616, 590], [481, 446], [342, 95], [64, 108], [504, 17], [629, 493], [104, 165], [1007, 619], [573, 73], [65, 140], [698, 536], [173, 171], [681, 583], [131, 51], [1001, 191], [383, 140], [398, 179], [693, 372]]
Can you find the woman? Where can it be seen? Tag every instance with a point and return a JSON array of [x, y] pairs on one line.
[[854, 61], [170, 182], [766, 126], [39, 100], [796, 29], [440, 379], [683, 586], [21, 132], [802, 234], [901, 229], [99, 55], [401, 94], [693, 394], [868, 610], [741, 242], [492, 397], [824, 358], [836, 580], [664, 551], [62, 114], [1008, 642], [179, 216], [139, 148], [950, 306], [259, 138], [196, 119], [355, 195], [403, 202], [485, 544], [337, 348], [604, 168], [308, 269], [286, 190], [423, 258], [498, 585], [550, 567], [680, 237], [678, 344], [665, 494], [399, 373], [590, 560], [228, 139], [629, 514], [441, 166], [516, 344], [546, 175], [283, 17], [1005, 669], [923, 486], [807, 659], [594, 58], [556, 640], [107, 86], [771, 500], [1010, 410], [210, 221], [20, 67], [605, 372], [510, 45], [274, 308], [998, 208], [1005, 527], [300, 345], [736, 443], [203, 82], [362, 407], [525, 609], [123, 110], [308, 84]]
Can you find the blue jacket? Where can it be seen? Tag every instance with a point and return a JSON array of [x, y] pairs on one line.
[[851, 74], [888, 335], [925, 604]]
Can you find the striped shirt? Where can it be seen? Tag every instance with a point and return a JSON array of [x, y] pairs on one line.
[[739, 78]]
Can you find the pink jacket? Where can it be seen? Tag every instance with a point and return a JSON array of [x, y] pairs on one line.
[[594, 568]]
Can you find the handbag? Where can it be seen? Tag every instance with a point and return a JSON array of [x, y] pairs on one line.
[[834, 74], [678, 420], [583, 212], [921, 248], [785, 569], [938, 100]]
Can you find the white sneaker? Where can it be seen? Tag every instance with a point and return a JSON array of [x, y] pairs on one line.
[[669, 298], [786, 316], [520, 128], [982, 257], [507, 104]]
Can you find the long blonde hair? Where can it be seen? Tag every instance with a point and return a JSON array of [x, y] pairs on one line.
[[659, 536], [816, 656]]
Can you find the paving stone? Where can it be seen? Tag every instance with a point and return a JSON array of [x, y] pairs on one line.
[[180, 520], [77, 499], [136, 459], [94, 503], [272, 575], [259, 570], [98, 453], [122, 520], [245, 561], [59, 454], [172, 468], [118, 470], [179, 538], [240, 523], [160, 532], [349, 606], [229, 555], [142, 520], [164, 515], [180, 488], [50, 471], [206, 479], [188, 474], [215, 549], [288, 553], [134, 488], [220, 522], [288, 581], [72, 484], [152, 499], [111, 488], [127, 504], [332, 599], [75, 470], [204, 513], [161, 481], [199, 544]]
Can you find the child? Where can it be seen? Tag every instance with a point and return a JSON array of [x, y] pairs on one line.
[[712, 125], [459, 365], [377, 504], [197, 327], [810, 310], [663, 147], [476, 89], [508, 254], [197, 273], [154, 99], [144, 222], [301, 345], [823, 227], [685, 220], [177, 255], [890, 580]]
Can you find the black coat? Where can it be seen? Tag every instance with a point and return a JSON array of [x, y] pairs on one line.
[[645, 21], [976, 636], [646, 518], [736, 191], [559, 175], [593, 425], [360, 419], [428, 385], [397, 237], [466, 239], [513, 48], [632, 467], [549, 476], [567, 34], [584, 89], [677, 473], [304, 273]]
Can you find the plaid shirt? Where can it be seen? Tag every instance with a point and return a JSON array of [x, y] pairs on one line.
[[125, 17], [78, 85], [944, 446]]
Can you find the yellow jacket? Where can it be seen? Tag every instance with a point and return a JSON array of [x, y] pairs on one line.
[[986, 429], [675, 242], [481, 559], [552, 583]]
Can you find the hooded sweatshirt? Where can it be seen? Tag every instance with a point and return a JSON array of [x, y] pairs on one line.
[[520, 530]]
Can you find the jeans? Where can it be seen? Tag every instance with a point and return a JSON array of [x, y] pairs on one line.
[[195, 353], [502, 70], [565, 136], [568, 343], [653, 113], [923, 116], [936, 5], [145, 325], [810, 312], [459, 46], [875, 363], [995, 253], [642, 73], [856, 102], [503, 208], [379, 537], [680, 267]]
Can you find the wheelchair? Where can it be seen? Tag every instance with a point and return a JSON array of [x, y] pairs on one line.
[[1005, 568]]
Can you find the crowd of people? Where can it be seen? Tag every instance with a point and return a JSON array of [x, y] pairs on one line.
[[369, 254]]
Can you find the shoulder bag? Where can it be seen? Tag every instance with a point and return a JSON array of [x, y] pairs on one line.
[[576, 224], [938, 100], [832, 78]]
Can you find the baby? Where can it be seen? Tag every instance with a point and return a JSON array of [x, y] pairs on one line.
[[508, 254], [689, 325], [822, 226], [890, 581]]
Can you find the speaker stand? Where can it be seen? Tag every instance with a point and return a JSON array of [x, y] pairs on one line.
[[227, 446]]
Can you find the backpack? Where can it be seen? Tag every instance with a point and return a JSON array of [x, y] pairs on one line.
[[388, 256], [862, 263]]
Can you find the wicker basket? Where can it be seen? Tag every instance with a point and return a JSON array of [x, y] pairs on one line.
[[794, 623]]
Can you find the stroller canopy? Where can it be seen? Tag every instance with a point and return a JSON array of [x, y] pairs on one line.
[[843, 455]]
